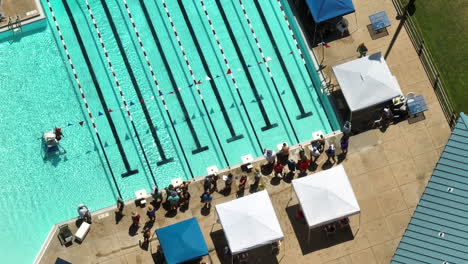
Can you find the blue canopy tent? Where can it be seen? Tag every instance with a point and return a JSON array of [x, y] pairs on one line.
[[326, 9], [182, 242], [61, 261]]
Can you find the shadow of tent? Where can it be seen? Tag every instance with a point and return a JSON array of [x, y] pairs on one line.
[[318, 239], [261, 254], [158, 258]]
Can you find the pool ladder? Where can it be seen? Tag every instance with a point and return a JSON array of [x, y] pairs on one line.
[[15, 26]]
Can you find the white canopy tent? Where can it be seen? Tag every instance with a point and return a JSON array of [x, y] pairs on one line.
[[326, 196], [249, 222], [366, 82]]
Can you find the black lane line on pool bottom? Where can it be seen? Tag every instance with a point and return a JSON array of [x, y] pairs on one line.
[[268, 124], [265, 62], [99, 92], [117, 83], [173, 81], [299, 49], [233, 79], [283, 65], [212, 83], [156, 83], [131, 73], [83, 97]]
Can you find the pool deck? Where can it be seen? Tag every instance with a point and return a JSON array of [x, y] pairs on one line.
[[388, 171], [28, 11]]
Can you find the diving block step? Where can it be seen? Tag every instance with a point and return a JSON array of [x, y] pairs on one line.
[[176, 182], [247, 158], [141, 196], [212, 170], [280, 145], [32, 12], [316, 135]]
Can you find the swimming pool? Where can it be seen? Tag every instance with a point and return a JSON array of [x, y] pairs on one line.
[[39, 92]]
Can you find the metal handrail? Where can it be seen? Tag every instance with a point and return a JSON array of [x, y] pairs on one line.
[[438, 84]]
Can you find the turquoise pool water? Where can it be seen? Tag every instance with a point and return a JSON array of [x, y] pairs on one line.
[[38, 92]]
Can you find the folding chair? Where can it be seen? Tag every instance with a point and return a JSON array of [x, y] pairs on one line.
[[65, 235], [342, 26], [330, 230]]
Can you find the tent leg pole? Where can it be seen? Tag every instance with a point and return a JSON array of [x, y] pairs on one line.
[[290, 197], [359, 226], [212, 226], [308, 238]]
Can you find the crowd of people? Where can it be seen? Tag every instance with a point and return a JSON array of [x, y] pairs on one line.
[[281, 163], [284, 165]]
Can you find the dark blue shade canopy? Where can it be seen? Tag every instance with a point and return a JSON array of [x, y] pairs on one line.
[[61, 261], [182, 241], [326, 9]]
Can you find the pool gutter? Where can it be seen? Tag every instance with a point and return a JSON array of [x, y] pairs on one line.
[[332, 138], [29, 17]]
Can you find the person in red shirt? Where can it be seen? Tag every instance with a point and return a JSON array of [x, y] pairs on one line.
[[300, 214], [242, 182], [146, 236], [58, 133], [303, 165], [278, 168], [135, 219]]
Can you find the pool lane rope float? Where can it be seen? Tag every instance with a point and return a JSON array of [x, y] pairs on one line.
[[298, 47], [133, 103], [156, 83], [292, 33], [117, 83], [195, 81], [265, 62], [207, 78], [83, 97], [229, 71]]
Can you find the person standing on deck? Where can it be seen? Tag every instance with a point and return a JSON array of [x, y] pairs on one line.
[[362, 49]]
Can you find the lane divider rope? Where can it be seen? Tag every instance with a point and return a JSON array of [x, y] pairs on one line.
[[117, 83], [265, 62], [292, 32], [298, 47], [207, 78], [156, 83], [229, 71], [83, 97], [196, 83]]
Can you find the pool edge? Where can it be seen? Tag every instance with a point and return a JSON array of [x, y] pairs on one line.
[[332, 137]]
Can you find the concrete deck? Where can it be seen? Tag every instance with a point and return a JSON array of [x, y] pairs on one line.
[[388, 171], [27, 10]]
